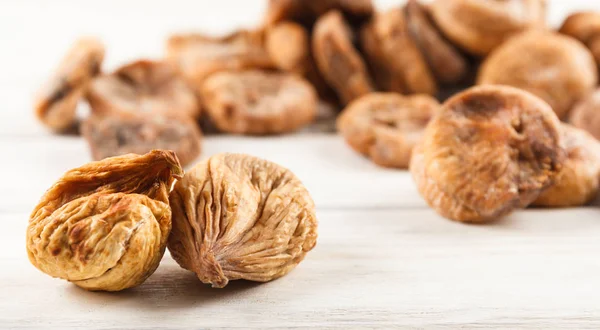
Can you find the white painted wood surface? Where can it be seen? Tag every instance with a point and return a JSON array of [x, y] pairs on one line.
[[383, 259]]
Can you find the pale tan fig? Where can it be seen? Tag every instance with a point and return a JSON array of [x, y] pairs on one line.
[[241, 217], [259, 102], [557, 68], [386, 126], [143, 87], [479, 26], [586, 114], [56, 103], [338, 60], [198, 56], [577, 182], [104, 226], [397, 63], [489, 151], [585, 27], [308, 11], [116, 135]]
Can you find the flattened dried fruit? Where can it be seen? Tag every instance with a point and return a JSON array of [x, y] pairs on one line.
[[307, 11], [56, 102], [338, 61], [557, 68], [480, 26], [110, 136], [143, 87], [586, 114], [198, 56], [585, 27], [446, 63], [240, 217], [577, 182], [259, 102], [104, 226], [386, 126], [490, 150], [397, 63]]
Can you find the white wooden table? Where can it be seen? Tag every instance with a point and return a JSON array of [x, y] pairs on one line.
[[383, 259]]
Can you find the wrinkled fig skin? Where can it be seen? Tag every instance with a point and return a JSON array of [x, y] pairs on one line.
[[585, 27], [396, 60], [338, 60], [386, 126], [240, 217], [479, 26], [307, 12], [110, 136], [577, 182], [104, 226], [143, 87], [56, 102], [491, 149], [198, 56], [258, 102], [447, 63], [586, 114], [557, 68]]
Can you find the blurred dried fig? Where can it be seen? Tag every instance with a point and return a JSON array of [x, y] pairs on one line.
[[143, 87], [577, 182], [56, 103], [585, 27], [386, 126], [586, 114], [557, 68], [490, 150], [198, 56], [116, 135], [104, 226], [480, 26], [240, 217], [338, 60], [308, 11], [259, 102]]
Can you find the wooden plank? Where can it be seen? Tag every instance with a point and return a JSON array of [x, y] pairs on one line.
[[390, 268]]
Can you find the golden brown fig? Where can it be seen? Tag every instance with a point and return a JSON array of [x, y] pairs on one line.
[[490, 150], [577, 182], [198, 56], [241, 217], [143, 87], [586, 114], [479, 26], [56, 102], [338, 60], [308, 11], [259, 102], [104, 226], [557, 68], [585, 27], [386, 126]]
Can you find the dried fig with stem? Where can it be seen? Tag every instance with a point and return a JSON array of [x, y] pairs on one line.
[[386, 126], [577, 181], [585, 27], [56, 103], [586, 114], [308, 11], [338, 60], [557, 68], [259, 102], [104, 226], [490, 150], [480, 26], [241, 217], [143, 87], [116, 135]]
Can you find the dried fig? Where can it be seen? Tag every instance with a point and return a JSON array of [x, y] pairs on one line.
[[386, 126], [586, 114], [143, 87], [338, 61], [557, 68], [447, 64], [480, 26], [585, 27], [198, 56], [240, 217], [577, 181], [104, 226], [397, 63], [116, 135], [259, 102], [308, 11], [490, 150], [56, 102]]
